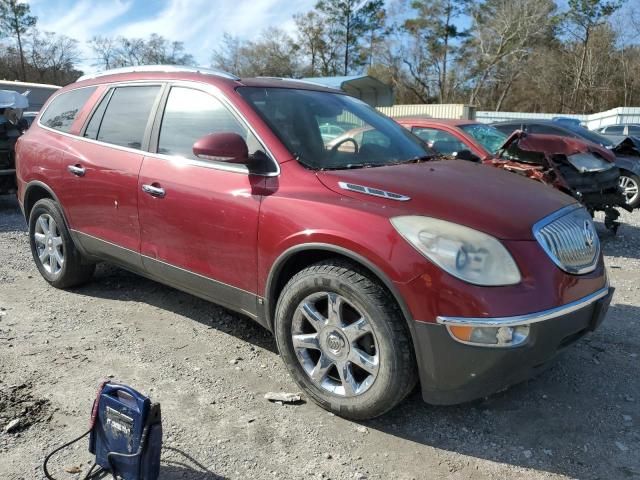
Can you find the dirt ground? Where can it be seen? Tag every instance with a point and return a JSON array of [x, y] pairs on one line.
[[210, 368]]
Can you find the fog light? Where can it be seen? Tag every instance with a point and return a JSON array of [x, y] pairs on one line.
[[490, 336]]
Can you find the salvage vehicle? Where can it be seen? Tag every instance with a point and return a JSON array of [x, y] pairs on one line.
[[370, 274], [581, 169], [620, 129], [625, 149], [11, 127]]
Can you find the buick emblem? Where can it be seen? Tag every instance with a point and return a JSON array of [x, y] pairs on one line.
[[589, 234], [334, 342]]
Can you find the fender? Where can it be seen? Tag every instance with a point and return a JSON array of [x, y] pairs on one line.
[[279, 263]]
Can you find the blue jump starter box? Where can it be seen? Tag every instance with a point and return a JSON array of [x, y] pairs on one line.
[[127, 434]]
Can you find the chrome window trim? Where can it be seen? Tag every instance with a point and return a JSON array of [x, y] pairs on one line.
[[218, 95], [539, 225], [527, 318], [224, 166], [203, 86]]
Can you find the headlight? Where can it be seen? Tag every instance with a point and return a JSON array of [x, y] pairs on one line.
[[465, 253]]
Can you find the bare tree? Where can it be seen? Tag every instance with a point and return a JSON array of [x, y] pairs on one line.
[[274, 53], [52, 56], [583, 17], [122, 51], [15, 21], [505, 31]]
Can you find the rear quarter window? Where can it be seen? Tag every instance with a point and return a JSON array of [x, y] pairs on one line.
[[63, 110]]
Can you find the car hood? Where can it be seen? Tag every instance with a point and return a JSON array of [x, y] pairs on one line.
[[626, 146], [490, 200]]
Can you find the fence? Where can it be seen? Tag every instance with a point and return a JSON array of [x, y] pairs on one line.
[[592, 121], [467, 112]]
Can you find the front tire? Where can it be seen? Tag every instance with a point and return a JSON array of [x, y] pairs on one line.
[[630, 185], [57, 258], [344, 340]]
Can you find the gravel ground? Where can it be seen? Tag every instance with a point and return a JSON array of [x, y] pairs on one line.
[[210, 368]]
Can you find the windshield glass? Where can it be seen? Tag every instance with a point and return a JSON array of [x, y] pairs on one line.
[[589, 135], [489, 137], [331, 131]]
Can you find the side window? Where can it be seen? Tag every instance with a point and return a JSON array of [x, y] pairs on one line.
[[96, 119], [63, 109], [442, 142], [615, 130], [124, 118], [546, 129], [190, 115], [633, 130]]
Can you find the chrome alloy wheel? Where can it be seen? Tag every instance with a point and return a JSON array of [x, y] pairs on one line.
[[49, 244], [335, 344], [630, 188]]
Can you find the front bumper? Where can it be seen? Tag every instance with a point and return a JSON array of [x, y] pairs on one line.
[[452, 372]]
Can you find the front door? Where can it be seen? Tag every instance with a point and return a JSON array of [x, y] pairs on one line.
[[104, 166], [199, 218]]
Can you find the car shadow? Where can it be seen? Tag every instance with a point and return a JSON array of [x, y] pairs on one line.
[[566, 421], [113, 283]]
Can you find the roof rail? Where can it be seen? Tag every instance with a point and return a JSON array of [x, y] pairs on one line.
[[161, 69]]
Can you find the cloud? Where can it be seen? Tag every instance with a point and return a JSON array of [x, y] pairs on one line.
[[200, 24], [85, 19]]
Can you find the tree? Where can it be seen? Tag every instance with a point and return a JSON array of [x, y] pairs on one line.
[[273, 54], [503, 34], [434, 34], [124, 52], [53, 57], [15, 21], [350, 21], [583, 17], [314, 41]]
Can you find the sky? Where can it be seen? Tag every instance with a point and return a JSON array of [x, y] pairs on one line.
[[200, 24]]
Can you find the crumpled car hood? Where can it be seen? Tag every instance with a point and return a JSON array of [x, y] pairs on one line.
[[490, 200], [556, 145]]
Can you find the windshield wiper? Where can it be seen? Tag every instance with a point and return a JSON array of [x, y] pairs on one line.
[[418, 159], [350, 166]]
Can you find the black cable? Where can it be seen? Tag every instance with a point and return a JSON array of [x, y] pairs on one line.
[[143, 441], [48, 457]]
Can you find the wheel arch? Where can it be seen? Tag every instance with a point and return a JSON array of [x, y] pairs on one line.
[[37, 190], [301, 256]]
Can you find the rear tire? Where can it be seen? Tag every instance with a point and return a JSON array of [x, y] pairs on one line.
[[344, 340], [56, 256]]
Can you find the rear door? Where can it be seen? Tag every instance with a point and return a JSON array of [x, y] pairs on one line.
[[104, 164], [199, 218]]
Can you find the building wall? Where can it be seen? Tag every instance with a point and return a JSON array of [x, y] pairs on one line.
[[458, 111]]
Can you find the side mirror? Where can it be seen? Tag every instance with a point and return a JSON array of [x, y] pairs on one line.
[[467, 155], [222, 147]]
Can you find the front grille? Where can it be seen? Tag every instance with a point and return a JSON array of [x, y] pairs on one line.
[[569, 238]]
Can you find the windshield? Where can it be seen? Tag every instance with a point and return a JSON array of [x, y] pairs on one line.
[[331, 131], [489, 137], [589, 135]]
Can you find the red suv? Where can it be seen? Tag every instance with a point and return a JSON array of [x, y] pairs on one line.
[[373, 265]]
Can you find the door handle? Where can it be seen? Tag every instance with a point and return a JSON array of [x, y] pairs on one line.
[[153, 190], [77, 170]]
